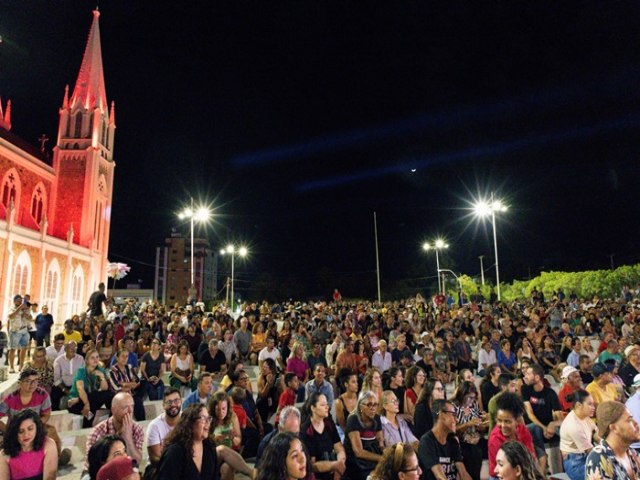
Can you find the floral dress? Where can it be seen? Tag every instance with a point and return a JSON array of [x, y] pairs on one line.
[[45, 375], [602, 464]]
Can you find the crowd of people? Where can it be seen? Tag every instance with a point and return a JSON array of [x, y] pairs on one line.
[[411, 389]]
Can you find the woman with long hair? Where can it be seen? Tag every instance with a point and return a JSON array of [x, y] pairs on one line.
[[106, 343], [105, 449], [514, 462], [399, 462], [526, 351], [225, 426], [576, 433], [394, 427], [27, 451], [123, 378], [189, 453], [269, 389], [373, 382], [297, 364], [471, 424], [364, 440], [413, 383], [320, 435], [182, 368], [346, 403], [258, 342], [433, 389], [489, 386], [396, 385], [152, 368], [284, 458], [90, 389]]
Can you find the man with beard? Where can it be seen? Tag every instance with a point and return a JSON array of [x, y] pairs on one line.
[[614, 458]]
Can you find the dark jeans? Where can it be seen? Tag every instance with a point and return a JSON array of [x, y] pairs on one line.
[[56, 396], [43, 338], [155, 392], [96, 401], [473, 455], [138, 404], [574, 465]]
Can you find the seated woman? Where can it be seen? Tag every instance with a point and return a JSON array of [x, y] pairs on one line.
[[90, 389], [182, 368], [43, 366], [152, 368], [122, 378], [513, 460], [188, 452], [346, 403], [285, 457], [373, 381], [105, 449], [27, 451], [398, 461], [364, 440], [471, 425], [413, 383], [576, 434], [106, 343], [258, 342], [395, 429], [507, 361], [320, 436], [423, 419], [269, 389]]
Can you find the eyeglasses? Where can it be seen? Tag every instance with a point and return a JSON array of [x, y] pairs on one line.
[[30, 382], [393, 400], [372, 405], [243, 378], [175, 401], [448, 411], [205, 419], [414, 469]]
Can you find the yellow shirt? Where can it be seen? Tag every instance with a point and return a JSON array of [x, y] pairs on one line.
[[76, 336], [609, 392]]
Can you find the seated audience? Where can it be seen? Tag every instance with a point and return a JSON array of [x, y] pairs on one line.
[[514, 461], [90, 389], [423, 418], [364, 440], [395, 428], [398, 461], [123, 378], [285, 457], [577, 433], [289, 422]]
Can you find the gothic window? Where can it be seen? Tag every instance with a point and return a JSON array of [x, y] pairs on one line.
[[52, 281], [38, 203], [78, 129], [11, 188], [76, 290], [22, 274]]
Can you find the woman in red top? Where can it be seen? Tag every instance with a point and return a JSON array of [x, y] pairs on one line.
[[414, 381], [362, 361], [509, 426]]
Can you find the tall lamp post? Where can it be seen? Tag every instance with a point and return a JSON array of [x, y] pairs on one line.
[[438, 244], [484, 209], [201, 214], [232, 250]]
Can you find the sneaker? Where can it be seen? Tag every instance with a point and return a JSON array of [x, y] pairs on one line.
[[65, 457]]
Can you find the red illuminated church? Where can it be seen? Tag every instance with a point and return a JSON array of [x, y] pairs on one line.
[[55, 217]]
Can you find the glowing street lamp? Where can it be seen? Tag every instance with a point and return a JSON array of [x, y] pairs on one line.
[[483, 209], [232, 250], [438, 244], [200, 214]]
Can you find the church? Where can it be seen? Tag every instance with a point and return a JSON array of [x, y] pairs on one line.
[[55, 212]]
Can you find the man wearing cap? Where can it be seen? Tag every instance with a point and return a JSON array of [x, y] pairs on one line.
[[602, 388], [632, 366], [18, 322], [572, 382], [613, 458]]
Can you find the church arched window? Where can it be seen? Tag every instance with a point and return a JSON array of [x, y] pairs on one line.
[[38, 202], [10, 188], [51, 285], [22, 274]]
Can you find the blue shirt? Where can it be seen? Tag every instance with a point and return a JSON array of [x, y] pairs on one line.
[[194, 397], [325, 389], [573, 359], [633, 404]]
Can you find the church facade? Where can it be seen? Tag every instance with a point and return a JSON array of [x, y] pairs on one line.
[[55, 213]]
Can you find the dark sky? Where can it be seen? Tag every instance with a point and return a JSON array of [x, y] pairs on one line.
[[298, 120]]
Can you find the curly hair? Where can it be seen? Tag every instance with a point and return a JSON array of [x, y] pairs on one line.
[[394, 460], [410, 376], [182, 433], [216, 399], [11, 444], [518, 456], [99, 452], [273, 463]]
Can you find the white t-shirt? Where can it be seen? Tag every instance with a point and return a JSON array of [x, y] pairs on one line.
[[265, 353], [576, 436], [486, 358], [157, 430]]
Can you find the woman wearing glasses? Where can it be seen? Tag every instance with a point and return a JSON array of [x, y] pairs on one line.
[[433, 389], [398, 462], [364, 441], [395, 429], [189, 454], [471, 424]]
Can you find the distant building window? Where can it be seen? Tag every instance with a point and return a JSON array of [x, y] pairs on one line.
[[78, 129], [38, 203], [11, 188], [76, 290], [51, 286], [22, 274]]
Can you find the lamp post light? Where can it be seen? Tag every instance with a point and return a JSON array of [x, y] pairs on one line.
[[484, 209], [232, 250], [481, 269], [201, 214], [438, 244]]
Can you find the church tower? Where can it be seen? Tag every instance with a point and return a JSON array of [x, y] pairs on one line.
[[83, 160]]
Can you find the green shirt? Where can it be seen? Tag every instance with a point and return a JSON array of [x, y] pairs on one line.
[[91, 382]]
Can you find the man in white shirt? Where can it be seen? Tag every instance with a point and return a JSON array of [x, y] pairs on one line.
[[64, 371], [56, 349], [270, 352], [160, 426], [486, 357]]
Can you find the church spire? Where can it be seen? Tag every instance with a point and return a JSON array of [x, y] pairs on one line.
[[89, 91]]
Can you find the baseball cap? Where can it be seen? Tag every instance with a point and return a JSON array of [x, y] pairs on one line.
[[566, 371], [600, 369], [116, 469], [629, 349]]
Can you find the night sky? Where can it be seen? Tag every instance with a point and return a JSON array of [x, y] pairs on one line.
[[298, 120]]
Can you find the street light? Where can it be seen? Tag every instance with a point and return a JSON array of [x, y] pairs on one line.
[[484, 209], [200, 214], [232, 250], [438, 244]]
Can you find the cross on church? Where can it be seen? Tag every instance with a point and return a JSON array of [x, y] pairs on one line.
[[11, 177], [43, 139]]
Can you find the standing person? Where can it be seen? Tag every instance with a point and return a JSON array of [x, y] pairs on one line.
[[27, 451], [95, 302], [514, 462], [509, 427], [576, 433], [18, 322], [364, 441], [613, 458], [439, 451], [285, 458], [44, 322], [189, 453]]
